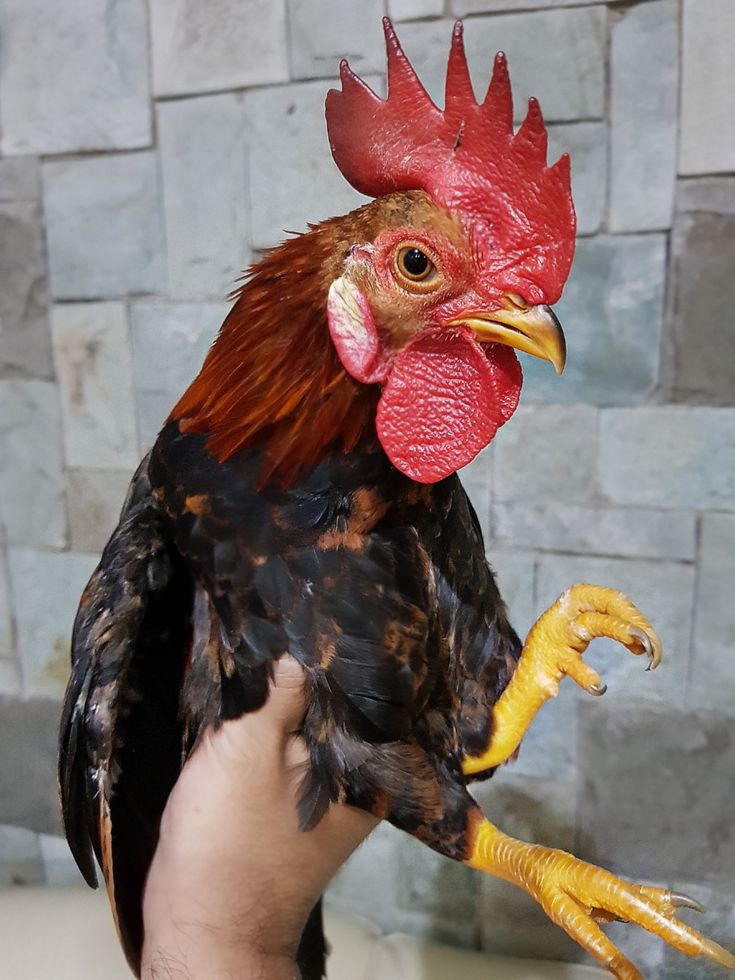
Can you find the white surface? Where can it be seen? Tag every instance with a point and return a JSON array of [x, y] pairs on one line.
[[67, 934]]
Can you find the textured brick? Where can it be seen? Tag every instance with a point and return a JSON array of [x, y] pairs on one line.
[[611, 312], [669, 457], [557, 55], [712, 678], [549, 748], [369, 881], [547, 454], [586, 143], [663, 591], [28, 793], [411, 9], [77, 80], [11, 683], [536, 810], [104, 225], [702, 338], [433, 884], [293, 179], [94, 500], [707, 143], [321, 34], [625, 532], [205, 47], [643, 115], [25, 346], [31, 478], [170, 341], [515, 573], [656, 792], [20, 179], [93, 362], [46, 587], [461, 7], [476, 479], [6, 622], [203, 160], [20, 857], [58, 864]]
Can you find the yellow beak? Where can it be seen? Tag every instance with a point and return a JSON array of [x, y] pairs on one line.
[[533, 329]]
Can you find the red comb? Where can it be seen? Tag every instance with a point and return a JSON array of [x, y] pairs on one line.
[[467, 157]]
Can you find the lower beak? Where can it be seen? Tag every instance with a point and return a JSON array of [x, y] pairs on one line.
[[533, 329]]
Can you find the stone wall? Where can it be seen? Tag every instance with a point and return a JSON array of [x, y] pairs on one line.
[[150, 150]]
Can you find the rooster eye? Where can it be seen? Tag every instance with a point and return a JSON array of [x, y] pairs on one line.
[[413, 264]]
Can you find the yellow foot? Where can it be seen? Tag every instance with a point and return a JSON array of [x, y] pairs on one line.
[[576, 896], [553, 649]]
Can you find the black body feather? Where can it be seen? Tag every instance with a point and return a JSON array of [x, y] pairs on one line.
[[377, 585]]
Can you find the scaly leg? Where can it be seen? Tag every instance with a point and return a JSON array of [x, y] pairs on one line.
[[576, 896], [554, 647]]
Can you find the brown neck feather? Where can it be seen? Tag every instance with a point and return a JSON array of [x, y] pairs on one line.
[[272, 378]]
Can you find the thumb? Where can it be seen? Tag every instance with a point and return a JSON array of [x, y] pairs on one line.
[[287, 702]]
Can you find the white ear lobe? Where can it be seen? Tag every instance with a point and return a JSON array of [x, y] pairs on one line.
[[354, 332]]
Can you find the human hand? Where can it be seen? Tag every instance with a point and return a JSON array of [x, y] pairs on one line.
[[233, 879]]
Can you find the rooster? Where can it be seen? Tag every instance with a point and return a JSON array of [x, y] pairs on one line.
[[302, 498]]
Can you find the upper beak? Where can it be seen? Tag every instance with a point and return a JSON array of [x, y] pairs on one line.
[[533, 329]]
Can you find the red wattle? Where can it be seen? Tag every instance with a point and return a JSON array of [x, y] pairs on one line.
[[443, 402]]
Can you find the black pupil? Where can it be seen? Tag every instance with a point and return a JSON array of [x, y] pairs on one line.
[[415, 262]]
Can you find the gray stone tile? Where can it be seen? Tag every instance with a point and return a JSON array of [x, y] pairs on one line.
[[11, 683], [170, 341], [6, 621], [94, 365], [20, 179], [414, 9], [433, 884], [668, 456], [322, 33], [547, 453], [476, 479], [586, 143], [656, 792], [44, 630], [94, 500], [58, 864], [702, 338], [20, 857], [104, 226], [74, 81], [707, 143], [643, 115], [549, 747], [222, 44], [25, 346], [293, 179], [461, 7], [611, 312], [28, 794], [663, 591], [536, 810], [203, 162], [515, 573], [31, 479], [716, 194], [557, 55], [712, 678], [627, 532], [369, 878]]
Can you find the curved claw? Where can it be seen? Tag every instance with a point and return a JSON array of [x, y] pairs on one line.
[[650, 648], [596, 690], [685, 902]]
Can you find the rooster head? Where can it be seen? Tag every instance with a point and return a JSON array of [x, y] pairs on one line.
[[470, 241]]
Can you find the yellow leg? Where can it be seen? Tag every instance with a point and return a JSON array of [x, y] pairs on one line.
[[554, 647], [577, 895]]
